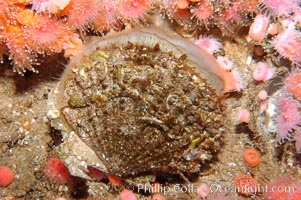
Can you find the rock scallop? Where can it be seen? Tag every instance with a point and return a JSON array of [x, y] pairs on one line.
[[138, 102]]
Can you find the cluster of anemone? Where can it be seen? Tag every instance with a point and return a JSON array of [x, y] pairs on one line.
[[29, 28], [288, 118], [227, 15], [275, 23], [287, 109]]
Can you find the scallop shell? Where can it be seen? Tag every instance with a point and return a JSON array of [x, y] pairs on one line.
[[138, 102]]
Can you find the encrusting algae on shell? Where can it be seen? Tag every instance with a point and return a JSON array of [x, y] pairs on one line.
[[137, 103]]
